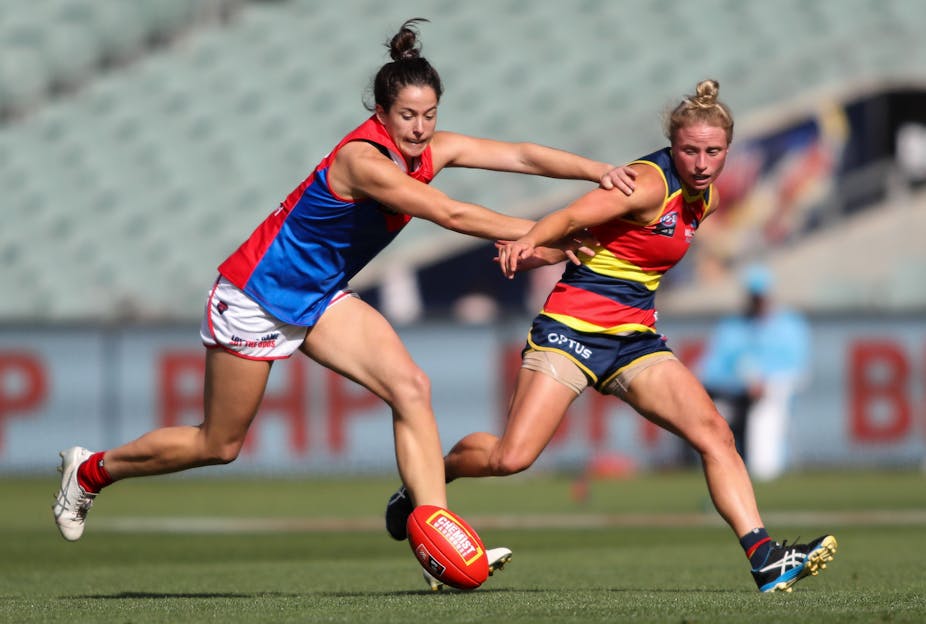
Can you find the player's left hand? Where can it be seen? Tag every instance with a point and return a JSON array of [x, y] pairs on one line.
[[529, 257], [511, 255], [620, 178], [541, 256]]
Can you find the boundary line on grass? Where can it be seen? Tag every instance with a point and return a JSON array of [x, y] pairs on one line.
[[200, 524]]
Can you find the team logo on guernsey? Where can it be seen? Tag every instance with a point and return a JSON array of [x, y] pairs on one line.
[[666, 225]]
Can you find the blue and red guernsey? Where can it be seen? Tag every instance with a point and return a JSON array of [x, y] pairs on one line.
[[614, 292], [315, 242]]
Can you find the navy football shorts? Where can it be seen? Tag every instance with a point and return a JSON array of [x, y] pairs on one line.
[[602, 357]]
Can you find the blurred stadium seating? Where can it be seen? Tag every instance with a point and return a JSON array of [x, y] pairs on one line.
[[142, 141]]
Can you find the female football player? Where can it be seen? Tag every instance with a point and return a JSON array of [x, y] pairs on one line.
[[286, 289], [598, 328]]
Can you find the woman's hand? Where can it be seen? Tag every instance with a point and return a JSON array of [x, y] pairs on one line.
[[527, 257], [620, 178], [578, 243], [515, 255], [542, 256]]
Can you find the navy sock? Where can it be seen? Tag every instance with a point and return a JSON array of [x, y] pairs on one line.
[[756, 544]]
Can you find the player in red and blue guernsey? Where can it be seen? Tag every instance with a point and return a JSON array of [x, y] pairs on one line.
[[598, 328], [307, 251], [286, 288]]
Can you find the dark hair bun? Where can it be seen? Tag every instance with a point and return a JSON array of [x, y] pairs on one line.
[[407, 67], [404, 44]]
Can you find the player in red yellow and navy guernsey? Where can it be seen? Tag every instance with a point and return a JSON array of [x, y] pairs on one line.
[[286, 288], [598, 328], [613, 292]]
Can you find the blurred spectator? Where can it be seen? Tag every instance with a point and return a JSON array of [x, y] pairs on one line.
[[476, 308], [911, 151], [754, 363]]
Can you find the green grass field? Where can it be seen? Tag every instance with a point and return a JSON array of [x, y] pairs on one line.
[[646, 549]]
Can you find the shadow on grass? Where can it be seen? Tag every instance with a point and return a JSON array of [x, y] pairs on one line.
[[367, 594], [676, 590], [160, 595], [126, 595], [535, 590], [423, 593]]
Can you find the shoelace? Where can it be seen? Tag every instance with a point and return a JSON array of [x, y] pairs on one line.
[[84, 500], [790, 557], [84, 503], [784, 543], [81, 506], [399, 495]]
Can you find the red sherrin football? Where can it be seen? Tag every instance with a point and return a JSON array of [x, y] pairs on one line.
[[447, 547]]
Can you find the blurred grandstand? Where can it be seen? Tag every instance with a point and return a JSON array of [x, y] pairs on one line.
[[141, 141]]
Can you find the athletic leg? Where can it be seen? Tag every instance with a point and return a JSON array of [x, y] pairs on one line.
[[233, 389], [668, 394], [355, 340], [536, 410]]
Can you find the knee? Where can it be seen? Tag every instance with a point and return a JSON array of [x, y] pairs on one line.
[[509, 462], [228, 453], [713, 436], [216, 454], [410, 388]]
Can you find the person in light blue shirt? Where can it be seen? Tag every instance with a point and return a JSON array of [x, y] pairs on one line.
[[754, 363]]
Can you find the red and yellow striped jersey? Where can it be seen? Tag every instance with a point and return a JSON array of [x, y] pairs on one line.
[[613, 292]]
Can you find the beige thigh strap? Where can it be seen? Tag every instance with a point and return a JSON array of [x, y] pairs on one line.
[[557, 366], [620, 382]]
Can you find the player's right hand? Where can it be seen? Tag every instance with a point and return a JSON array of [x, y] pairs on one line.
[[511, 254]]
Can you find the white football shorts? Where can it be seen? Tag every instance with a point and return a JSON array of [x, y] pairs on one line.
[[235, 322]]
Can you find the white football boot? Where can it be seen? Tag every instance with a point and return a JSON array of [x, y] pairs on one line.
[[497, 557], [72, 503]]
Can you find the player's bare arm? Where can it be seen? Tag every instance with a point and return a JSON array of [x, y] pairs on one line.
[[568, 249], [451, 149], [361, 171], [594, 208]]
